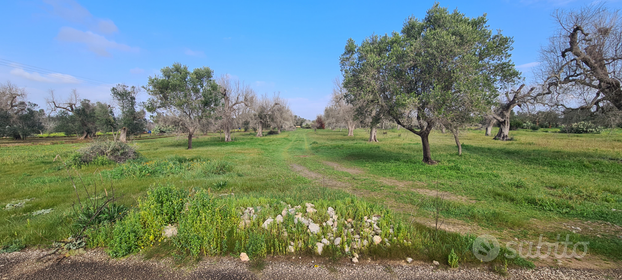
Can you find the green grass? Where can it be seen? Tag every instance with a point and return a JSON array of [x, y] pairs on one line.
[[518, 187]]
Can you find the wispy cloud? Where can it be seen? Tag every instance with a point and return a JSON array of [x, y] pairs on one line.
[[528, 65], [137, 70], [72, 11], [194, 53], [56, 78], [95, 42]]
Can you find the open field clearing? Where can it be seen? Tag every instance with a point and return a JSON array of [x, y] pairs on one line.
[[542, 184]]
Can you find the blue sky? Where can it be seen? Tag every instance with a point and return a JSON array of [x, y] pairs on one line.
[[291, 47]]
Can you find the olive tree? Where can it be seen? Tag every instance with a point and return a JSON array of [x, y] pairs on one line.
[[581, 68], [233, 95], [189, 96], [339, 112], [131, 120], [439, 68]]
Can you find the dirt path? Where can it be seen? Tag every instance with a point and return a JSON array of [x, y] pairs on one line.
[[95, 264]]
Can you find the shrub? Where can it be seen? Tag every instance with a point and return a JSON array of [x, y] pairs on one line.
[[581, 127], [515, 124], [115, 151], [88, 215], [452, 259]]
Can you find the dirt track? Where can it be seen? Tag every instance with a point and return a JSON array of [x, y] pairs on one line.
[[95, 264]]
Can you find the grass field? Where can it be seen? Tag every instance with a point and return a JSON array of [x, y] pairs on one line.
[[542, 184]]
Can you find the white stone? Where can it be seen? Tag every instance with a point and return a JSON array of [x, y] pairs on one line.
[[309, 205], [311, 210], [267, 223], [279, 219], [325, 241], [377, 239], [284, 212], [169, 231], [436, 263], [290, 249], [330, 211], [365, 243], [244, 257], [355, 260], [409, 260], [320, 247], [314, 228], [329, 222], [355, 255], [337, 241]]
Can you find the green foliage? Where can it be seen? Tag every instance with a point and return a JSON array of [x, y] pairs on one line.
[[127, 236], [131, 119], [220, 185], [452, 259], [256, 246], [192, 167], [13, 245], [88, 216], [164, 129], [581, 127], [21, 122]]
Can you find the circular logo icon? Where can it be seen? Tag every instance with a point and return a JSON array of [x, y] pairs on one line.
[[486, 248]]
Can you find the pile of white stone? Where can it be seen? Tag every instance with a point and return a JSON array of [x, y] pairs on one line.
[[349, 238]]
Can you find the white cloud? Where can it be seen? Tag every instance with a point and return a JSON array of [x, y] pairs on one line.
[[106, 26], [137, 70], [528, 65], [56, 78], [95, 42], [72, 11], [194, 53]]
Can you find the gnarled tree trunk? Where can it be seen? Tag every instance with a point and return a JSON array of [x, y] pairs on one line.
[[455, 132], [425, 144], [351, 128], [504, 127], [259, 130], [372, 134], [190, 140], [489, 124], [123, 135]]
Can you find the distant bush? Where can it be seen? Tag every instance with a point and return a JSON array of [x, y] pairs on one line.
[[272, 132], [103, 153], [194, 167], [515, 124], [581, 127]]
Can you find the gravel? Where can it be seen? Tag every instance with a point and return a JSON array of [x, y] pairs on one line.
[[95, 264]]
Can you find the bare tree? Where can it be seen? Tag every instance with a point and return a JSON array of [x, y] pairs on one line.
[[262, 108], [583, 61], [233, 94], [11, 97], [340, 112], [513, 98], [281, 116]]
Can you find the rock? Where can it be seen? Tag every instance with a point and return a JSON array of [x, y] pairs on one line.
[[309, 205], [337, 241], [349, 220], [365, 243], [377, 239], [355, 260], [330, 223], [330, 211], [290, 249], [169, 231], [244, 223], [244, 257], [279, 219], [320, 247], [267, 223], [375, 218], [436, 263], [409, 260], [311, 210], [284, 212], [347, 249], [325, 241], [314, 228], [355, 255]]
